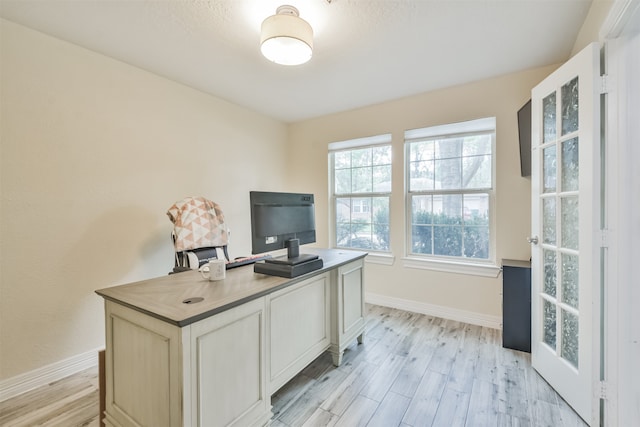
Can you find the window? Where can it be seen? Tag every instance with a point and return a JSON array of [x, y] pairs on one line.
[[450, 191], [361, 189]]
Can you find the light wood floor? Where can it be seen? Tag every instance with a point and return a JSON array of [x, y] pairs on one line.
[[412, 370]]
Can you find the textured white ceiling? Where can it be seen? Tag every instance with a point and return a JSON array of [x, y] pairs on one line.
[[365, 51]]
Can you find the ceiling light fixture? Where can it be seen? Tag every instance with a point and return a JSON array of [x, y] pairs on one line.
[[286, 38]]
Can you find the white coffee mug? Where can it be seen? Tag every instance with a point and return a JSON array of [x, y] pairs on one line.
[[214, 270]]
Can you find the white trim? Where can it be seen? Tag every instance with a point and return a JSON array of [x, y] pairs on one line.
[[473, 269], [22, 383], [465, 316], [619, 15], [478, 125], [382, 259], [360, 142]]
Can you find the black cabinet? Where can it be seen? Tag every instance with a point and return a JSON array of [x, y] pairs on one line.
[[516, 305]]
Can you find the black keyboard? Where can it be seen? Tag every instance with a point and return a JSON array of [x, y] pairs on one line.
[[239, 262]]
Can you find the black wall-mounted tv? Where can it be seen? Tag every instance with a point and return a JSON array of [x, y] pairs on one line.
[[282, 220], [524, 134]]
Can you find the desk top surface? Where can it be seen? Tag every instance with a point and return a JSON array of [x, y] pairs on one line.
[[163, 297]]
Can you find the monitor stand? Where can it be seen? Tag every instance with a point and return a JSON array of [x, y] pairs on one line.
[[293, 256], [285, 260], [291, 265]]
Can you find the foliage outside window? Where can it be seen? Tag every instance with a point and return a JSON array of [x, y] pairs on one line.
[[450, 190], [361, 188]]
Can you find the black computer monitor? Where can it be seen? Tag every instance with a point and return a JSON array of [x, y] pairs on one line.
[[282, 220]]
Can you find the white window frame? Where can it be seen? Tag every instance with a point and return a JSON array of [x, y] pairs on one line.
[[479, 267], [378, 257]]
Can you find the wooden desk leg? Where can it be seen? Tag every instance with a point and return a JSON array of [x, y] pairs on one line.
[[337, 357]]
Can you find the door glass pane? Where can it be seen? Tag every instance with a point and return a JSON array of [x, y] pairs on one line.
[[549, 118], [569, 167], [550, 272], [549, 324], [570, 329], [549, 169], [569, 105], [549, 220], [569, 222], [570, 280]]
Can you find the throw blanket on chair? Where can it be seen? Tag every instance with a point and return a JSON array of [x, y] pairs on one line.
[[198, 223]]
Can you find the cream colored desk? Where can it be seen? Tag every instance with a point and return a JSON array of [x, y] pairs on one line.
[[183, 351]]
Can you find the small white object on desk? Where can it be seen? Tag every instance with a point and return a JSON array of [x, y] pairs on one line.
[[214, 270]]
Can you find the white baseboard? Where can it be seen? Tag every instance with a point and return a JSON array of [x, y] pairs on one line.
[[471, 317], [22, 383]]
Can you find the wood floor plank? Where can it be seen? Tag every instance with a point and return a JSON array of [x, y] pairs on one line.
[[487, 364], [483, 405], [538, 388], [569, 417], [289, 393], [321, 365], [448, 341], [512, 392], [346, 392], [358, 413], [415, 365], [38, 408], [321, 418], [424, 405], [545, 414], [384, 377], [463, 370], [505, 420], [453, 408], [312, 398], [390, 411]]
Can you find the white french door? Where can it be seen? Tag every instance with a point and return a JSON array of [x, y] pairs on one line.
[[565, 258]]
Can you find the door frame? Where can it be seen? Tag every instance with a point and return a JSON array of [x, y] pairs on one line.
[[619, 390]]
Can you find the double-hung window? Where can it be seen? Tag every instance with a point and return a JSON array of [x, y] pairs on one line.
[[360, 171], [450, 191]]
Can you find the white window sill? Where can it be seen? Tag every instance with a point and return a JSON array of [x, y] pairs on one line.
[[473, 269], [380, 258]]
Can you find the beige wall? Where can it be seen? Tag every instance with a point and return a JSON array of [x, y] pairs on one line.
[[590, 31], [93, 152], [499, 97]]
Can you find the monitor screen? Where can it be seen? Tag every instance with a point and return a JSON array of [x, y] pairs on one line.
[[277, 218]]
